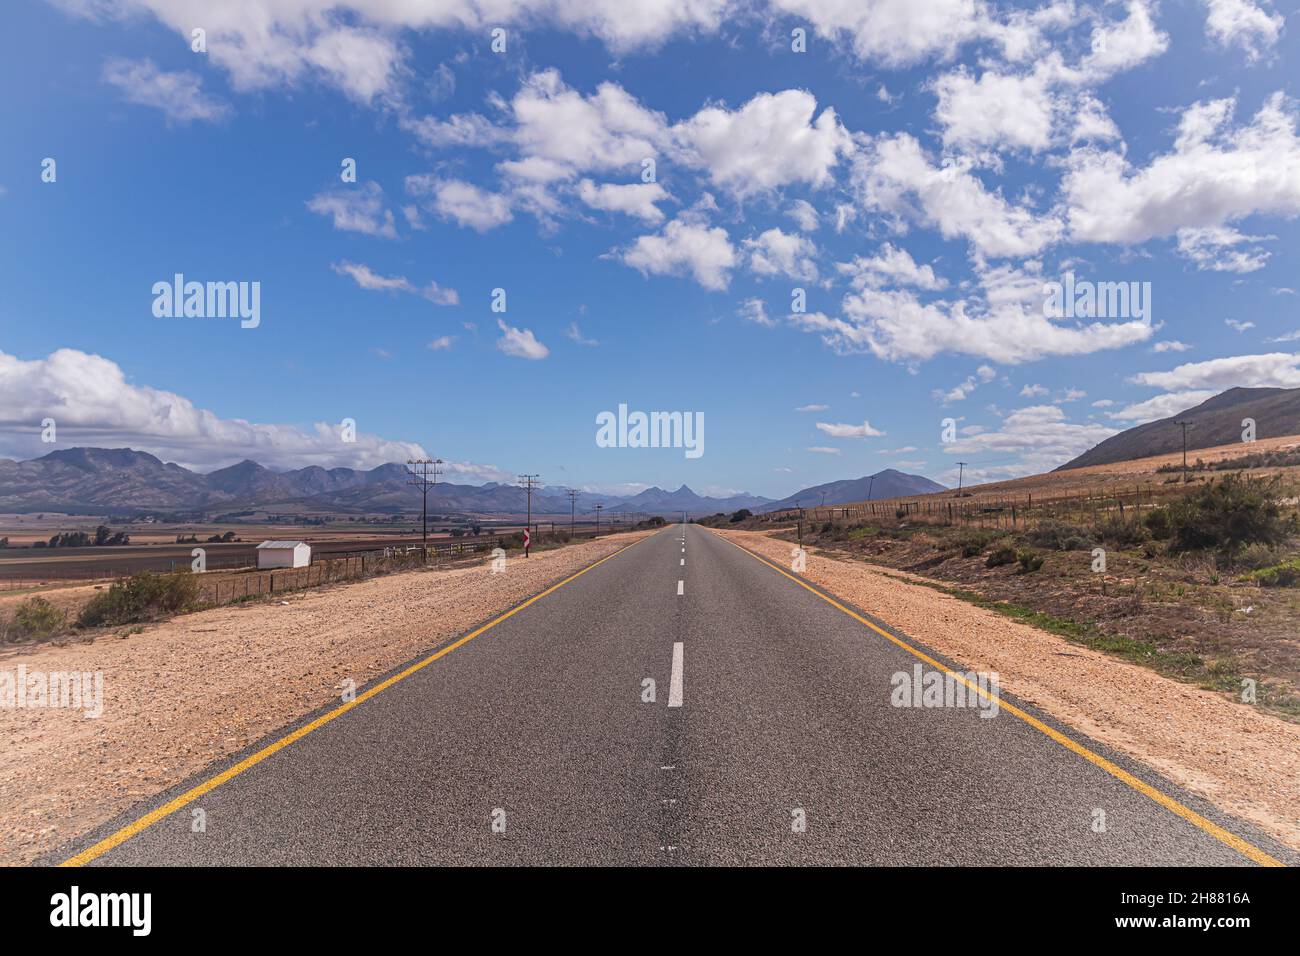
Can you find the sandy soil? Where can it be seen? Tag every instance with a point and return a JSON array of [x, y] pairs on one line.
[[1244, 761], [186, 692]]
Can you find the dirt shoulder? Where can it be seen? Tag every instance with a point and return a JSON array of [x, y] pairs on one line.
[[183, 693], [1242, 760]]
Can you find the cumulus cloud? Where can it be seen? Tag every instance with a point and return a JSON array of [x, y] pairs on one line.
[[1003, 321], [890, 267], [521, 343], [755, 310], [358, 208], [92, 403], [1272, 370], [685, 246], [1249, 26], [461, 202], [1213, 248], [1040, 437], [1215, 175], [781, 253], [849, 431], [179, 95], [804, 214], [894, 176], [1161, 406], [633, 199]]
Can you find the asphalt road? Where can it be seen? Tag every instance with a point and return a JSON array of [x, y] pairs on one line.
[[777, 744]]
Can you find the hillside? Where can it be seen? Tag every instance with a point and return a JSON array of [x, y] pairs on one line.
[[1216, 421], [889, 483]]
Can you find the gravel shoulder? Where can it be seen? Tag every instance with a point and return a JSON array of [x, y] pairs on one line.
[[185, 692], [1244, 761]]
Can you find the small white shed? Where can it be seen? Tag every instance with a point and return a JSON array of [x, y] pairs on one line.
[[283, 554]]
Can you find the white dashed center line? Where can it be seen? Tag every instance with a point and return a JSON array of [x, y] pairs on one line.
[[683, 561], [681, 588], [675, 687]]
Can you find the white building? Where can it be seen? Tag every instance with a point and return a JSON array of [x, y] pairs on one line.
[[283, 554]]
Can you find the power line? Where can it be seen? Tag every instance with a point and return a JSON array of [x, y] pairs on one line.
[[529, 483], [424, 475]]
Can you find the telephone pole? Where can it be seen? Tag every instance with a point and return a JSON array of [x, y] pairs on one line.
[[961, 470], [573, 510], [529, 482], [871, 482], [598, 507], [424, 475], [1185, 425]]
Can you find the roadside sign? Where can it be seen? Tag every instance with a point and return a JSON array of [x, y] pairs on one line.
[[528, 539]]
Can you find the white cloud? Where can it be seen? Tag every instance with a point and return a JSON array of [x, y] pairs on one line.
[[521, 343], [804, 215], [996, 109], [894, 33], [685, 246], [634, 199], [773, 140], [93, 404], [1162, 406], [781, 253], [462, 202], [1237, 326], [1213, 176], [575, 334], [891, 266], [1243, 24], [358, 208], [1274, 370], [1033, 391], [849, 431], [962, 390], [179, 95], [1003, 322], [823, 450], [1212, 248], [812, 408], [367, 278], [755, 310], [1170, 345], [894, 176], [1040, 437], [441, 343]]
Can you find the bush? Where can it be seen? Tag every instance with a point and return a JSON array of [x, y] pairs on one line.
[[1227, 516], [1059, 536], [1256, 557], [1120, 532], [141, 597], [741, 515], [1157, 524], [35, 619], [972, 541], [1284, 575], [1029, 560], [999, 557]]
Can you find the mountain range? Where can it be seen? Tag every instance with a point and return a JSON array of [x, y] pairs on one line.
[[124, 481], [889, 483], [1216, 421]]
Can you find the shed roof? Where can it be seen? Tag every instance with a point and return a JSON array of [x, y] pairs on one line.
[[280, 544]]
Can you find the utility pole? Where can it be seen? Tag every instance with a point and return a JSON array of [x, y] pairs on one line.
[[1185, 425], [598, 507], [573, 510], [529, 482], [870, 484], [961, 470], [424, 475]]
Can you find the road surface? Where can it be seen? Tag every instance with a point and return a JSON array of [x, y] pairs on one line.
[[771, 739]]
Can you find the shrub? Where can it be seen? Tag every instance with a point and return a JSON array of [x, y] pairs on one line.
[[1255, 557], [741, 515], [999, 557], [1157, 523], [1284, 575], [972, 541], [141, 597], [1059, 536], [1120, 532], [35, 619], [1029, 560], [1227, 516]]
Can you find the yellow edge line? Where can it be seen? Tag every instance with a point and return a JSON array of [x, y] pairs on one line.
[[1246, 849], [189, 796]]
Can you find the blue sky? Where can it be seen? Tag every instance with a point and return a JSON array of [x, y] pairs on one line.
[[920, 170]]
